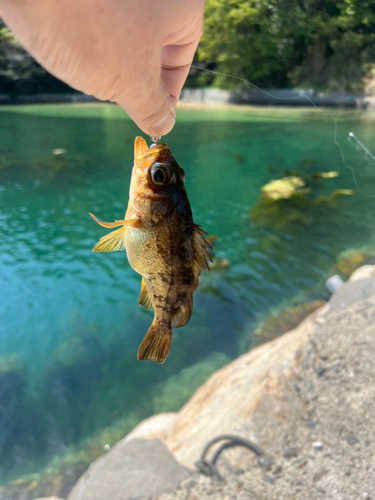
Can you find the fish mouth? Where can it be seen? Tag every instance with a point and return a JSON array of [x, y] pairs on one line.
[[152, 152], [157, 153]]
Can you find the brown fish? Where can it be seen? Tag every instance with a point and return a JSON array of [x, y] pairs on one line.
[[162, 243]]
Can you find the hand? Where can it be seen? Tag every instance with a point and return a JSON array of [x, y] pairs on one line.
[[133, 52]]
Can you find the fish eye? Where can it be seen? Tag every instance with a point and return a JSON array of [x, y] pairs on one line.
[[159, 174]]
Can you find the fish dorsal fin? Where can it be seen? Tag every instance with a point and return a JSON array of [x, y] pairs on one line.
[[201, 253], [140, 146], [182, 316], [144, 297]]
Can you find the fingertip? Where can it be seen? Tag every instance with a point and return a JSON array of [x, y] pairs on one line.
[[163, 126]]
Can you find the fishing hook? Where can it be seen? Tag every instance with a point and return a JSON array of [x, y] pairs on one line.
[[155, 139]]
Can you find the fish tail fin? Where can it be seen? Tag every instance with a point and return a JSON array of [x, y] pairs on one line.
[[155, 346]]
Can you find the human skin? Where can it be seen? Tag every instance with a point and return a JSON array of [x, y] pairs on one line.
[[133, 52]]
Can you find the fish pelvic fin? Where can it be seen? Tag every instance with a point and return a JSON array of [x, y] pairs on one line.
[[144, 297], [155, 346], [183, 314]]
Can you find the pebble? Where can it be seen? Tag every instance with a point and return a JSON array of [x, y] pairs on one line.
[[318, 445], [350, 439], [290, 453]]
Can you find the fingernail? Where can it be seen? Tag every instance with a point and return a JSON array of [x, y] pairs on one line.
[[163, 126]]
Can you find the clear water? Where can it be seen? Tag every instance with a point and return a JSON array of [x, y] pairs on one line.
[[72, 317]]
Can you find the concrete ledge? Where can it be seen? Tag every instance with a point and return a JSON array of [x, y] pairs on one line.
[[268, 97], [46, 98], [278, 97]]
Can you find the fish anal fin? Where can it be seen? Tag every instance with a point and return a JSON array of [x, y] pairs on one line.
[[183, 314], [155, 346], [112, 242], [144, 297]]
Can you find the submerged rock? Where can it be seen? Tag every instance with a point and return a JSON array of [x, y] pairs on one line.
[[219, 263], [316, 177], [285, 320], [333, 199], [13, 372], [284, 188], [350, 260], [173, 393], [286, 201], [16, 442], [42, 487]]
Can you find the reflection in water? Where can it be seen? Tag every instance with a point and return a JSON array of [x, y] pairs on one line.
[[70, 325]]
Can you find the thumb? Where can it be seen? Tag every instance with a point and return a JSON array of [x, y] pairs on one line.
[[154, 112]]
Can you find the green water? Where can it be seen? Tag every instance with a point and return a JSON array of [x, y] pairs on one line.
[[71, 317]]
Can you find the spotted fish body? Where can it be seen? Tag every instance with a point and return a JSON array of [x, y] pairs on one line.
[[162, 243]]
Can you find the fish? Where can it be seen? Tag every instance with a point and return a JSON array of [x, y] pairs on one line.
[[162, 243]]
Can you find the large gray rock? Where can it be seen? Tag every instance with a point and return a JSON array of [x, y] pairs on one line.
[[131, 470], [307, 399], [237, 399]]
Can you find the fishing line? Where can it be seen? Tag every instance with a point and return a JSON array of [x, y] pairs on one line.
[[361, 147], [350, 135]]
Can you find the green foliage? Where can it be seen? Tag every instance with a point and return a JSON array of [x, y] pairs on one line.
[[236, 39], [325, 44]]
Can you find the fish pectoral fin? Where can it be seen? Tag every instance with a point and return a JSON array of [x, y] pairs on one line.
[[201, 247], [183, 314], [117, 223], [116, 240], [155, 346], [144, 297], [111, 242]]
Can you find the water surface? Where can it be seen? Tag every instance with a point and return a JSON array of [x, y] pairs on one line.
[[70, 323]]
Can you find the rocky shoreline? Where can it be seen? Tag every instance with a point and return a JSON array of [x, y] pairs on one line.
[[305, 398]]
